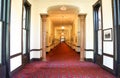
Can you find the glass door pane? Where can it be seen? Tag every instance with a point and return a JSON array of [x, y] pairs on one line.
[[0, 42], [24, 30], [0, 9], [119, 12], [24, 41]]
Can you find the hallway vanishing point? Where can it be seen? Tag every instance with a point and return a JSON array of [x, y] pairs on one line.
[[62, 62]]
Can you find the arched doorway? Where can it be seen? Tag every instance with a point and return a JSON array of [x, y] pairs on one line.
[[63, 16]]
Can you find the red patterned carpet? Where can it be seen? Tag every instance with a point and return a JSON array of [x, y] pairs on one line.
[[62, 62]]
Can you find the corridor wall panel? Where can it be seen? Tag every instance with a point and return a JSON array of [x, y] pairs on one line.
[[89, 54], [15, 26], [35, 54], [15, 62], [108, 61], [108, 47]]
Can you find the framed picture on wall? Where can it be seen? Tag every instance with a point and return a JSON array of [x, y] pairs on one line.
[[107, 34]]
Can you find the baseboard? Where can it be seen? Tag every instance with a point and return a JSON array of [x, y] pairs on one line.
[[16, 70], [118, 70], [89, 59], [78, 53], [47, 52], [108, 69], [36, 59]]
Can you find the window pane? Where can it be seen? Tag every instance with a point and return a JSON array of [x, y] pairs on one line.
[[24, 17], [100, 42], [0, 42], [15, 27], [0, 8], [119, 11], [99, 17], [24, 41]]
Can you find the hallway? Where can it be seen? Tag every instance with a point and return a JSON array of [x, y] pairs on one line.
[[62, 62], [62, 53]]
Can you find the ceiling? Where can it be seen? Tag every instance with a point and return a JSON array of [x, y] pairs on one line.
[[62, 14]]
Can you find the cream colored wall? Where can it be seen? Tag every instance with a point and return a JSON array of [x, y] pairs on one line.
[[41, 6], [108, 23], [35, 31]]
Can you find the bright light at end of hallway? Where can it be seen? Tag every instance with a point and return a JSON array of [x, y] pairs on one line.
[[62, 33], [63, 27]]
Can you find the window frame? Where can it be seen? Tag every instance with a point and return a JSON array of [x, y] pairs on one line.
[[27, 7]]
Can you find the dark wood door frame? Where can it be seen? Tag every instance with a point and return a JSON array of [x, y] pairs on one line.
[[97, 58], [5, 12], [116, 28]]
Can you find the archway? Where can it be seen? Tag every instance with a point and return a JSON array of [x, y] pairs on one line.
[[63, 16]]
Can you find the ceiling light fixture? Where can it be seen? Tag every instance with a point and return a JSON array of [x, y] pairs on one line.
[[63, 8]]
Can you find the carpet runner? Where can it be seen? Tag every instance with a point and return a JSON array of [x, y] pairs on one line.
[[62, 62]]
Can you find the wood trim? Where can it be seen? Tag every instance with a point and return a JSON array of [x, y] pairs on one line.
[[35, 49], [26, 3], [36, 59], [108, 69], [15, 55], [89, 49], [88, 59], [116, 31], [108, 55], [96, 4], [16, 70], [78, 46]]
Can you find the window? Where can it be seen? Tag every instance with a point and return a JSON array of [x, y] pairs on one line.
[[0, 9], [24, 30], [26, 27], [118, 6], [0, 42], [98, 43], [99, 32], [1, 20], [99, 18]]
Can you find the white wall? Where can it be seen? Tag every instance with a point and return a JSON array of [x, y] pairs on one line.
[[35, 31], [41, 6], [107, 23], [15, 62], [15, 33]]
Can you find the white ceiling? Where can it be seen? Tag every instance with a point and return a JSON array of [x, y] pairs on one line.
[[63, 17]]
